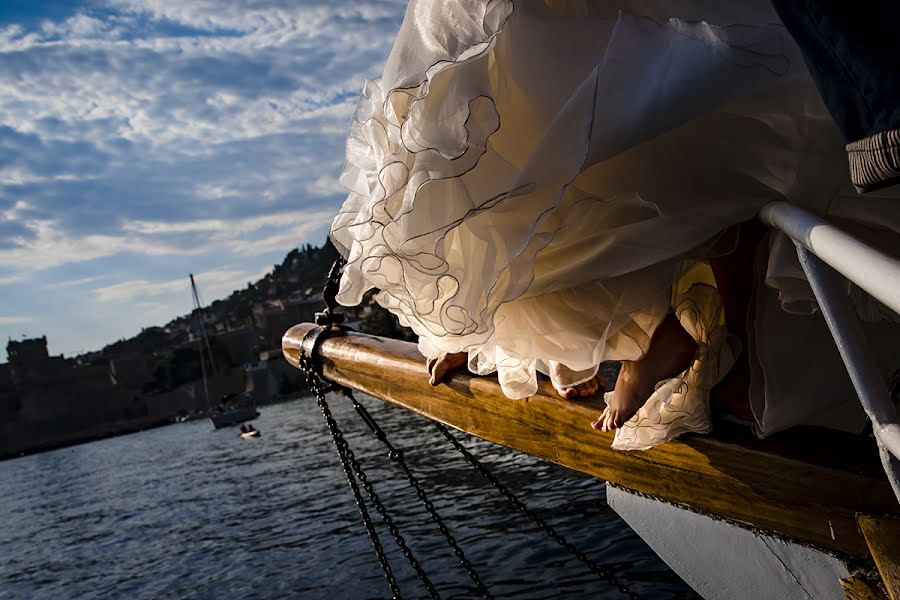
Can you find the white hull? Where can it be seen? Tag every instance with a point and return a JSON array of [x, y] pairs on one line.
[[724, 561]]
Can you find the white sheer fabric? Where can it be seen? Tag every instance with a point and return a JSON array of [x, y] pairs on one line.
[[528, 179]]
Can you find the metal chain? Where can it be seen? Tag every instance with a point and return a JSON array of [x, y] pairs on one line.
[[602, 571], [396, 455], [348, 455], [337, 436]]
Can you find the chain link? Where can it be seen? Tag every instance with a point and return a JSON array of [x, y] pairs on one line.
[[349, 458], [396, 455], [337, 436], [600, 570]]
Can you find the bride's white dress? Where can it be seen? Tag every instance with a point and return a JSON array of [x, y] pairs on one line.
[[539, 181]]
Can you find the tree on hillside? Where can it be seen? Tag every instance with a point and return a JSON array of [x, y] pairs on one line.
[[382, 323]]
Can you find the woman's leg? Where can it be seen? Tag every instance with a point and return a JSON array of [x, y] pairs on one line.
[[672, 348], [733, 265], [671, 351]]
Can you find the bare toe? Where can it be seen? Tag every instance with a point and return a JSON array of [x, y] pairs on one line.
[[612, 418], [442, 366], [585, 389], [598, 422], [566, 392], [629, 395]]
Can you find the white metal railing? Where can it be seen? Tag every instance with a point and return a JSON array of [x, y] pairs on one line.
[[825, 253], [868, 268]]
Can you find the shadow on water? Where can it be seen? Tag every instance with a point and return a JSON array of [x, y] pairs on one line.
[[189, 512]]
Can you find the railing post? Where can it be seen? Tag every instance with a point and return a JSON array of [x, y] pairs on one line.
[[844, 325]]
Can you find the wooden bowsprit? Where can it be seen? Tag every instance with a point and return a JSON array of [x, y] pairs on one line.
[[807, 484]]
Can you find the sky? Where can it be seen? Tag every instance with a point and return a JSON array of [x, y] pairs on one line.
[[142, 140]]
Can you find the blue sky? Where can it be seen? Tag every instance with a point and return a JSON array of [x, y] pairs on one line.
[[141, 140]]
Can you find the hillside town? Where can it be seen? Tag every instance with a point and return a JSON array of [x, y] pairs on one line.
[[156, 377]]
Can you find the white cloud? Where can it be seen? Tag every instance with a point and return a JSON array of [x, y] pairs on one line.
[[248, 236], [325, 186], [310, 18], [257, 70], [93, 103], [15, 320], [14, 212], [11, 279], [16, 176], [52, 246], [285, 240], [216, 191], [213, 284], [74, 282], [231, 227], [77, 27]]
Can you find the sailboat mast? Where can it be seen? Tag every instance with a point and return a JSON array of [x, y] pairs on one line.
[[202, 318], [204, 340]]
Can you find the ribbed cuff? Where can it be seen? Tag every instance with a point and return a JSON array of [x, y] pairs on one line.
[[875, 161]]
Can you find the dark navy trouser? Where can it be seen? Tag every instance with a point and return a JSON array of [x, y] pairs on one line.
[[852, 50]]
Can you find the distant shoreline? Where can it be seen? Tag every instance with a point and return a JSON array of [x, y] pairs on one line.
[[100, 432], [109, 430]]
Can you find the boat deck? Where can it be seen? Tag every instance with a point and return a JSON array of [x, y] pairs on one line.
[[806, 484]]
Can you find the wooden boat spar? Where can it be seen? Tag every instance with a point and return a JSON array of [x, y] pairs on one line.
[[806, 513], [806, 485]]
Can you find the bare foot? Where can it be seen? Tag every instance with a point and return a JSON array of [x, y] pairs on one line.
[[586, 389], [671, 352], [440, 367], [633, 388]]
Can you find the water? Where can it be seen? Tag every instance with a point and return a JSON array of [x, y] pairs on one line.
[[188, 512]]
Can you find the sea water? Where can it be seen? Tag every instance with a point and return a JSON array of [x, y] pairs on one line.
[[187, 511]]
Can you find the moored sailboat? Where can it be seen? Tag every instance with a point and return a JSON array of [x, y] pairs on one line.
[[232, 409]]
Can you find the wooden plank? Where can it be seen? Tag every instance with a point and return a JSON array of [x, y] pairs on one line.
[[882, 535], [856, 588], [775, 487]]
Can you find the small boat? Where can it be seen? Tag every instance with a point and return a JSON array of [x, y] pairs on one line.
[[249, 432], [229, 415]]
